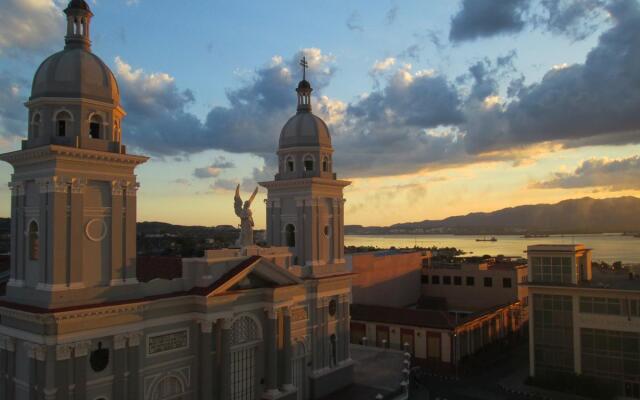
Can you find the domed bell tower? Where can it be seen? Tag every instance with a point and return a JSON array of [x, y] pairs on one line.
[[305, 204], [73, 203]]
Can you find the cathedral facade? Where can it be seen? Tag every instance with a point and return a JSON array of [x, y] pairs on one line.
[[240, 324]]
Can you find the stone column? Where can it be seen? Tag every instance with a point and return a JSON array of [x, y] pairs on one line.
[[346, 328], [335, 230], [206, 361], [129, 232], [63, 377], [225, 359], [44, 259], [7, 367], [58, 232], [117, 260], [76, 227], [277, 223], [341, 229], [119, 366], [286, 352], [80, 365], [300, 232], [133, 362], [271, 352], [36, 355], [17, 197]]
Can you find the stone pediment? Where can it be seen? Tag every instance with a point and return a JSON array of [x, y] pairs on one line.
[[254, 273]]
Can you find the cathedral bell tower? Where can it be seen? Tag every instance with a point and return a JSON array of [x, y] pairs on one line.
[[73, 203], [305, 204]]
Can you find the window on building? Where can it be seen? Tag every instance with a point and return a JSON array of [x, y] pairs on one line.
[[95, 127], [553, 333], [63, 122], [610, 306], [457, 280], [290, 164], [308, 163], [488, 282], [34, 241], [290, 233], [425, 279], [551, 269], [325, 164], [35, 125], [435, 280], [446, 280], [470, 281], [334, 350], [506, 282]]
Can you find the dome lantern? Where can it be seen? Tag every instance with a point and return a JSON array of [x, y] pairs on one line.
[[78, 22], [304, 89]]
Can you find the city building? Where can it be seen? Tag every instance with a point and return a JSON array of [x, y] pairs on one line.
[[390, 277], [83, 318], [386, 312], [435, 338], [584, 321], [474, 285]]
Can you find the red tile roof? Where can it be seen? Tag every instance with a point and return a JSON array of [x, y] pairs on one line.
[[163, 267], [402, 316]]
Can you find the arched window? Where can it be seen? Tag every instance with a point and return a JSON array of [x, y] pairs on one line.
[[95, 126], [169, 387], [290, 235], [63, 123], [34, 241], [334, 350], [290, 164], [35, 125], [325, 164], [308, 163]]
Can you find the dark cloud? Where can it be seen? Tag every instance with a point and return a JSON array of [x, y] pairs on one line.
[[29, 27], [484, 18], [354, 22], [159, 121], [597, 101], [574, 18], [214, 169], [611, 175], [392, 15]]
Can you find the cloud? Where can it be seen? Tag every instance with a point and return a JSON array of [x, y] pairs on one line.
[[611, 175], [206, 172], [484, 18], [576, 19], [30, 26], [382, 65], [392, 15], [354, 22], [13, 115], [213, 170], [181, 182], [581, 104]]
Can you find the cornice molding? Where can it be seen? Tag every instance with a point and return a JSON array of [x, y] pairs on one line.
[[53, 151]]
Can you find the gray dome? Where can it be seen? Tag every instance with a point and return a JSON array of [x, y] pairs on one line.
[[75, 73], [305, 129]]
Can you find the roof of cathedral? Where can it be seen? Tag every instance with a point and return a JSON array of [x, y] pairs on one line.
[[305, 129], [81, 4], [75, 73]]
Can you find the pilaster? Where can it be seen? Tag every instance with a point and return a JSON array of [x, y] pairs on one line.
[[129, 232], [206, 360], [271, 352], [225, 358], [120, 366], [78, 186], [117, 256], [133, 362]]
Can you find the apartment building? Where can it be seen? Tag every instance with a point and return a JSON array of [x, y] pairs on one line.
[[584, 321]]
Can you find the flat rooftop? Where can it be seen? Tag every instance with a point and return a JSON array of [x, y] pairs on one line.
[[556, 248], [616, 280]]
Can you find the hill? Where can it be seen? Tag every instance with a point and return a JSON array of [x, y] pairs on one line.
[[585, 215]]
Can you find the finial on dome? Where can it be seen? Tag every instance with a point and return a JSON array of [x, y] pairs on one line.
[[304, 89], [78, 21]]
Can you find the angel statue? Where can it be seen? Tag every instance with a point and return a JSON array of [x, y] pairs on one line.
[[246, 218]]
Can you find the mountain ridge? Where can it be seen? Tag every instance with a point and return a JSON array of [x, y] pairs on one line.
[[582, 215]]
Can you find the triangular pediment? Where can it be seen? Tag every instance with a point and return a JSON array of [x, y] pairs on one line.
[[255, 273]]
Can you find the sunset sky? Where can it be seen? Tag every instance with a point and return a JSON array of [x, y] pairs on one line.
[[436, 108]]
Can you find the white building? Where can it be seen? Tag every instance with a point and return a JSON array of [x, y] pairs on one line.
[[76, 323]]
